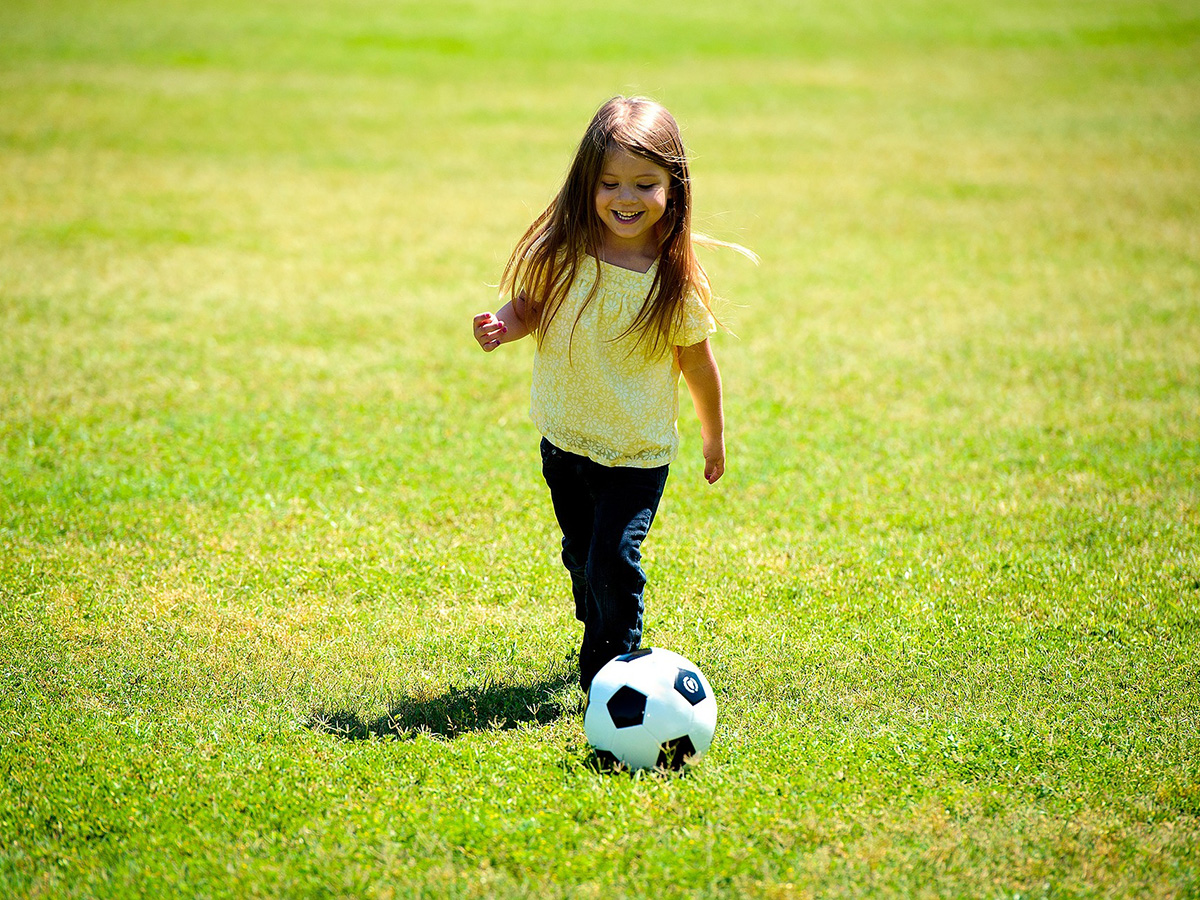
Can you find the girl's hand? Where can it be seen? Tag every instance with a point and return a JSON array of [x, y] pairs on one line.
[[714, 460], [489, 331]]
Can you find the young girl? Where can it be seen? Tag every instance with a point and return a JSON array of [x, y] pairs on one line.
[[607, 282]]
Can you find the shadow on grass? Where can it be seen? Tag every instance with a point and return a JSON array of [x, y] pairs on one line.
[[488, 707]]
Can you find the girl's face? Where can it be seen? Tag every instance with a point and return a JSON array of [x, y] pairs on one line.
[[631, 198]]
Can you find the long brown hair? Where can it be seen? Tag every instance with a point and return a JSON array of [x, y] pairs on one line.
[[547, 259]]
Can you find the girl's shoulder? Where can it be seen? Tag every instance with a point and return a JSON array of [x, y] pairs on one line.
[[699, 286]]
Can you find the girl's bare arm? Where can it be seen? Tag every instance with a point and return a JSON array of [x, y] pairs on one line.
[[703, 379]]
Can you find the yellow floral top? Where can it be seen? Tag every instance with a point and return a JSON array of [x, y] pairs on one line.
[[604, 398]]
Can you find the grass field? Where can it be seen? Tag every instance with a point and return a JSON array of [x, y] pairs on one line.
[[280, 606]]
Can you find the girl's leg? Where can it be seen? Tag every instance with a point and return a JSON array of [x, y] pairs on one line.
[[625, 503], [573, 507], [605, 514]]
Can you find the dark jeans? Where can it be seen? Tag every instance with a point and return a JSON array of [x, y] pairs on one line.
[[605, 513]]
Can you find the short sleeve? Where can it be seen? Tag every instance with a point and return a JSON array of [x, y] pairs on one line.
[[696, 323]]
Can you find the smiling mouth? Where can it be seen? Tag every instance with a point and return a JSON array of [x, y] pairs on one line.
[[626, 218]]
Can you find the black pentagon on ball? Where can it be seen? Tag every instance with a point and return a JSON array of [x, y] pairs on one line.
[[688, 684], [627, 707], [675, 753], [636, 654]]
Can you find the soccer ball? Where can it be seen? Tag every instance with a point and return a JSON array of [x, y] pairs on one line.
[[650, 708]]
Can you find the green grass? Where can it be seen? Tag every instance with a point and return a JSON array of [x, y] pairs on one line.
[[280, 609]]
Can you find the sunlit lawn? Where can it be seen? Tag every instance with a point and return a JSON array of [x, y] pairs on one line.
[[280, 606]]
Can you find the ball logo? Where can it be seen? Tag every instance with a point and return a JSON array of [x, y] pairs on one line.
[[690, 687]]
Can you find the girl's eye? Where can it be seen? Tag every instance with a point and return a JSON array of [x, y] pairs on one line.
[[608, 185], [647, 187]]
